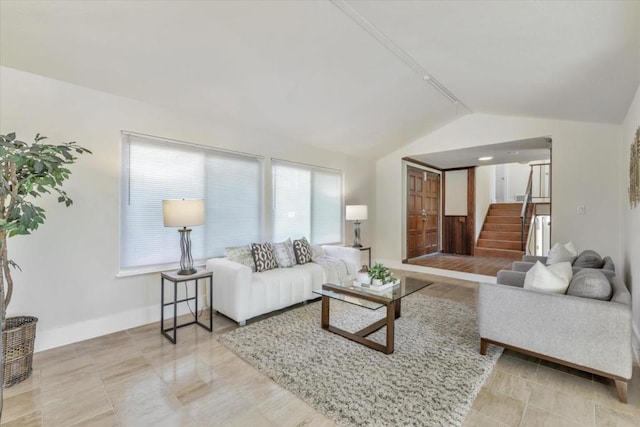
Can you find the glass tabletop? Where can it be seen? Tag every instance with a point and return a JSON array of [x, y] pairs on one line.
[[370, 298]]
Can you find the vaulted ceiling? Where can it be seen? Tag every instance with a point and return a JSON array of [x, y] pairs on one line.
[[348, 76]]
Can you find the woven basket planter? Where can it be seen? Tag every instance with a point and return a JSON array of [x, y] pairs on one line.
[[18, 336]]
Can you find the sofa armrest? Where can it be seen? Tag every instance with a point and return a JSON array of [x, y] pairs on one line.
[[522, 266], [231, 288], [583, 331], [533, 259], [511, 278], [350, 255]]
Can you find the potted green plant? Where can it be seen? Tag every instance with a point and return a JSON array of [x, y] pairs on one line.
[[380, 274], [27, 171]]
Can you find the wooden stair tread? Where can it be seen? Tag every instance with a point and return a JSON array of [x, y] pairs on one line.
[[502, 231]]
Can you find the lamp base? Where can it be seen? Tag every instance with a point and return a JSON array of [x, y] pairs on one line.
[[356, 234], [186, 261]]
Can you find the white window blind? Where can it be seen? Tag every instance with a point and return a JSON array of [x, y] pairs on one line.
[[307, 201], [154, 169]]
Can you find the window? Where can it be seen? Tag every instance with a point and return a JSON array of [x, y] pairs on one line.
[[307, 201], [154, 169]]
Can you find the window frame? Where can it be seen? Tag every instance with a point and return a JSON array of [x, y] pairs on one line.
[[312, 169]]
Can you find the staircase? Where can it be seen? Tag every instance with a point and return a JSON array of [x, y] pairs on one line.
[[501, 232]]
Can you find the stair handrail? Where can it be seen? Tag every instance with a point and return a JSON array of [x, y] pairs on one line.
[[543, 187], [532, 238], [525, 207]]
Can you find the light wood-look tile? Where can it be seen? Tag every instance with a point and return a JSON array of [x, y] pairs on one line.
[[33, 419], [21, 405], [503, 408], [565, 405], [606, 417], [535, 417], [478, 419], [104, 419]]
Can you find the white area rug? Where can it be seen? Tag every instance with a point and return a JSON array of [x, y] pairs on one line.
[[431, 379]]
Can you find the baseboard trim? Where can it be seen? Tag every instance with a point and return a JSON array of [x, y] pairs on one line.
[[57, 337]]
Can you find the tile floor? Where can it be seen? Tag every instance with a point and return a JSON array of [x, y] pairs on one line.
[[137, 378]]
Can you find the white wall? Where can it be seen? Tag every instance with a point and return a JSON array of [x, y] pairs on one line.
[[517, 178], [630, 219], [485, 186], [69, 265], [579, 149], [455, 189]]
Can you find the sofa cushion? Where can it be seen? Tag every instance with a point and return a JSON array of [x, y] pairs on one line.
[[590, 283], [302, 249], [550, 279], [588, 259], [263, 257], [562, 253], [241, 255], [283, 253]]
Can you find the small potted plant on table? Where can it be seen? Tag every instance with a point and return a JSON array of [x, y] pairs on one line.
[[381, 275]]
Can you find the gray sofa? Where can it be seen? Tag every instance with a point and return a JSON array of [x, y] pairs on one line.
[[583, 333]]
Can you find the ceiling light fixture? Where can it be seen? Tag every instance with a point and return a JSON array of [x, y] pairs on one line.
[[485, 158], [392, 47]]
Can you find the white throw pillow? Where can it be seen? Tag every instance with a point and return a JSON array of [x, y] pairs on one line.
[[562, 253], [317, 251], [550, 279], [562, 270]]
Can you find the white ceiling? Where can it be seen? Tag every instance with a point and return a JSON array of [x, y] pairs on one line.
[[306, 71], [521, 151]]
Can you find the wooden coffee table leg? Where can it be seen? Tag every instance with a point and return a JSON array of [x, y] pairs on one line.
[[398, 308], [392, 308], [325, 313]]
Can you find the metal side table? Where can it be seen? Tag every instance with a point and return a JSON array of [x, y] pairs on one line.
[[175, 279]]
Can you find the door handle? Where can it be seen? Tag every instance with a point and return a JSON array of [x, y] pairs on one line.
[[424, 215]]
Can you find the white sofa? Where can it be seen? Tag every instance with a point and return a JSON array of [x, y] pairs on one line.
[[241, 294]]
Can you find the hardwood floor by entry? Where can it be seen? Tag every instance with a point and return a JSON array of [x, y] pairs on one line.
[[138, 378], [487, 266]]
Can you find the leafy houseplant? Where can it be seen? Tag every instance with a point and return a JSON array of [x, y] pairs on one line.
[[381, 273], [27, 171]]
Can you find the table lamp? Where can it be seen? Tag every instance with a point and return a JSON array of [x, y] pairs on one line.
[[184, 213], [356, 213]]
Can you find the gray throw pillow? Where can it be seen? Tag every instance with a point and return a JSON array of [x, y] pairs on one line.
[[590, 283], [263, 257], [588, 259], [283, 252], [241, 255]]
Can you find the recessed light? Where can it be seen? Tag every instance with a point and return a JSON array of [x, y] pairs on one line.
[[485, 158]]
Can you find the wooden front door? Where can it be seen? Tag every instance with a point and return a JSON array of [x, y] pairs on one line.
[[423, 212]]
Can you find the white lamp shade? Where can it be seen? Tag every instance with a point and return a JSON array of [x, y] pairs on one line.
[[356, 212], [183, 212]]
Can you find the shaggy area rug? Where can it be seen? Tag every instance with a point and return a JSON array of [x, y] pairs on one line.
[[431, 379]]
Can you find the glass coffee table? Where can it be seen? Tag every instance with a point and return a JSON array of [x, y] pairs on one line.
[[373, 300]]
